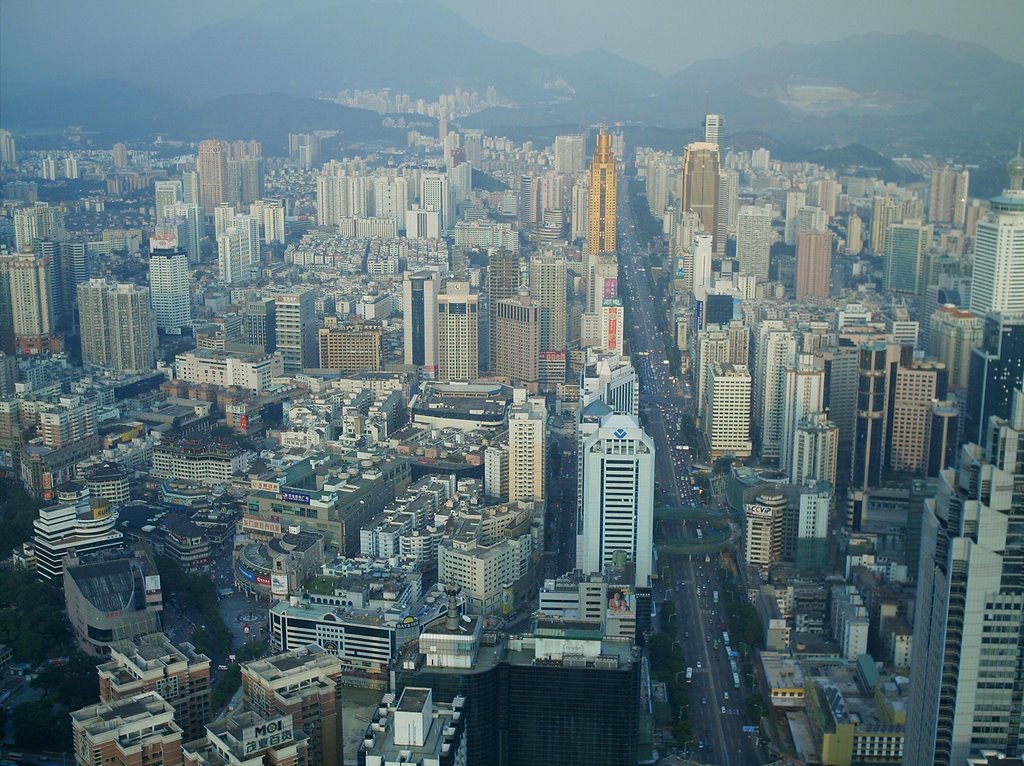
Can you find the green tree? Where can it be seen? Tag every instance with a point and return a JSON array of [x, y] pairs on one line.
[[37, 727], [75, 682]]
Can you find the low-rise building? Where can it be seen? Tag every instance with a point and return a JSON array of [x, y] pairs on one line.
[[255, 372], [273, 568], [202, 462]]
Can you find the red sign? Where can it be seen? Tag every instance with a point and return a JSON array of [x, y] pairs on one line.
[[613, 329], [245, 629]]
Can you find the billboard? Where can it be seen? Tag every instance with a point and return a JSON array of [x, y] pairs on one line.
[[611, 288], [621, 602], [295, 497], [259, 525], [266, 486], [279, 584], [266, 734], [250, 576]]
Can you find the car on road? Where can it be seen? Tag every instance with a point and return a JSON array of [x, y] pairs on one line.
[[723, 709]]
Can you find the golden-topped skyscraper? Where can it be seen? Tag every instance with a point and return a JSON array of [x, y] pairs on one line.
[[601, 210]]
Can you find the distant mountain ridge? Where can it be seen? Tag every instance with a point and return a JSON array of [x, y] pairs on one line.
[[882, 90]]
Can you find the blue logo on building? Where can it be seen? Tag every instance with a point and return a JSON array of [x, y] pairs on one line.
[[620, 433]]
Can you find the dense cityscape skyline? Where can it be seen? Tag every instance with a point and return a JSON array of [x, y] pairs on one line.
[[406, 401]]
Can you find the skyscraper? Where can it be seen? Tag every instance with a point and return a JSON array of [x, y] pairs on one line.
[[527, 420], [754, 240], [548, 290], [712, 128], [212, 165], [238, 249], [170, 289], [906, 246], [775, 352], [167, 194], [435, 194], [618, 492], [28, 282], [795, 199], [569, 154], [601, 213], [813, 264], [502, 283], [804, 394], [725, 410], [947, 198], [997, 277], [295, 329], [458, 332], [40, 221], [518, 341], [698, 188], [967, 694], [118, 326], [419, 319]]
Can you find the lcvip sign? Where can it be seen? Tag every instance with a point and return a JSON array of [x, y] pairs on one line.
[[275, 731]]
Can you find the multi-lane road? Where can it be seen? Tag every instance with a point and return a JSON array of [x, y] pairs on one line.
[[715, 705]]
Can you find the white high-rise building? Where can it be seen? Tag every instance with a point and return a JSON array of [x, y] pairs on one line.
[[569, 154], [435, 194], [998, 278], [187, 219], [754, 240], [815, 450], [579, 208], [795, 200], [391, 198], [40, 221], [712, 128], [775, 351], [725, 413], [238, 249], [618, 497], [527, 421], [458, 332], [966, 691], [168, 194], [804, 394], [727, 207], [170, 289]]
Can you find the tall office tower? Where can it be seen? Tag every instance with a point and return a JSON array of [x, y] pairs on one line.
[[436, 194], [811, 544], [842, 378], [602, 280], [823, 194], [947, 199], [306, 685], [813, 264], [51, 252], [955, 333], [885, 211], [529, 199], [698, 188], [815, 450], [611, 379], [119, 154], [579, 209], [170, 289], [259, 320], [40, 221], [236, 248], [27, 278], [190, 187], [712, 347], [295, 329], [713, 124], [569, 154], [727, 203], [74, 266], [997, 276], [8, 148], [795, 199], [458, 332], [151, 663], [725, 410], [419, 320], [548, 290], [602, 199], [187, 219], [518, 341], [252, 184], [774, 352], [527, 421], [918, 384], [502, 283], [127, 732], [804, 394], [71, 168], [118, 326], [212, 165], [391, 198], [967, 695], [357, 347], [854, 234], [905, 249], [739, 342], [658, 186], [765, 519], [754, 240], [618, 492], [167, 195]]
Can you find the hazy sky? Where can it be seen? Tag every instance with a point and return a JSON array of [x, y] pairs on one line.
[[46, 38], [667, 35]]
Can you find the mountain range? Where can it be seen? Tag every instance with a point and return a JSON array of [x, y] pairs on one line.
[[908, 92]]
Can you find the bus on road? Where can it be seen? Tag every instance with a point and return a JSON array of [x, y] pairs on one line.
[[689, 675]]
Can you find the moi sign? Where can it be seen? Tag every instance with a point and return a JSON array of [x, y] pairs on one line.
[[274, 731]]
